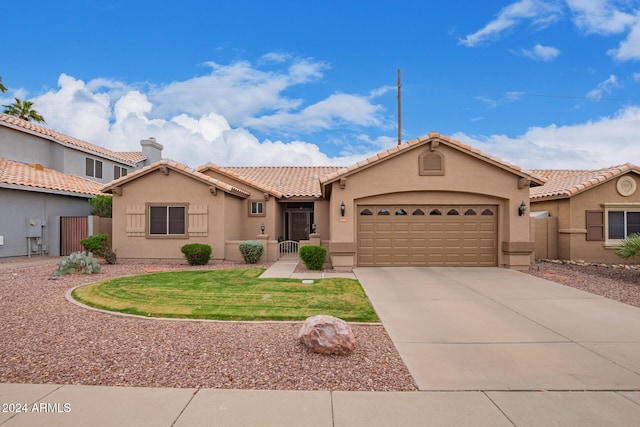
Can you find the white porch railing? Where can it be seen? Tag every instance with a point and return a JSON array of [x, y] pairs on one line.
[[288, 248]]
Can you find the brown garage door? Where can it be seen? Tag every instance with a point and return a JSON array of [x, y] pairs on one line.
[[427, 235]]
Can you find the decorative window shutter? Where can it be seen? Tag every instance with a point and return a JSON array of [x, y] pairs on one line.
[[136, 225], [595, 225], [198, 220]]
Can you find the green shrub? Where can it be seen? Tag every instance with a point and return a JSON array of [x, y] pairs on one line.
[[98, 244], [630, 246], [251, 251], [101, 206], [77, 262], [313, 256], [196, 253]]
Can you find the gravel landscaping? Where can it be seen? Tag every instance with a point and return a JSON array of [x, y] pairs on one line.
[[617, 283], [46, 339]]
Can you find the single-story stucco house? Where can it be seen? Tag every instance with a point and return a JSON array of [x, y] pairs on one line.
[[432, 201], [584, 214]]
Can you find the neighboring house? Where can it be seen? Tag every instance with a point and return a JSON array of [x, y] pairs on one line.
[[46, 175], [584, 214], [27, 142], [431, 201], [32, 201]]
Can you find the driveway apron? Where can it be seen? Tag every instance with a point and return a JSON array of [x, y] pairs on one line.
[[494, 329]]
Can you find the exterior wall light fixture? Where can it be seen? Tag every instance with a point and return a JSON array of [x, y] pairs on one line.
[[262, 228], [313, 228], [522, 209], [343, 209]]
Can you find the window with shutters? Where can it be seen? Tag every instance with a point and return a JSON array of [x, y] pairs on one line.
[[167, 220]]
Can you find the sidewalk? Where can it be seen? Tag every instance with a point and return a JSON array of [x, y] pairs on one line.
[[77, 405]]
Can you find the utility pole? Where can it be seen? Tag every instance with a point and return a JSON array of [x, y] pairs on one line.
[[399, 111]]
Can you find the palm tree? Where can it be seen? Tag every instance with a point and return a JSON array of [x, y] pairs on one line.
[[2, 87], [22, 109]]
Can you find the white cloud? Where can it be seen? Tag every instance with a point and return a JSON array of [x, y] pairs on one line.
[[603, 87], [212, 117], [544, 53], [630, 47], [75, 109], [336, 110], [601, 16], [606, 142], [541, 14]]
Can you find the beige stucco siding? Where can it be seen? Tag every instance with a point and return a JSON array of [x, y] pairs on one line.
[[572, 243], [172, 189], [466, 180]]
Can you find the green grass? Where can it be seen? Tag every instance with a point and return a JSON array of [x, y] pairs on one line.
[[236, 294]]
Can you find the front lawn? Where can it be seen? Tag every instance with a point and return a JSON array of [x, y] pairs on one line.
[[236, 294]]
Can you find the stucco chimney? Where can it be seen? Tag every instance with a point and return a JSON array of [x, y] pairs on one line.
[[152, 149]]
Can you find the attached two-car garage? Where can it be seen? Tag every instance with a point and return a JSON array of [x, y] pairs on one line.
[[457, 235]]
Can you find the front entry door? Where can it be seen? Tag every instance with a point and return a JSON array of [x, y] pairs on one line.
[[299, 226]]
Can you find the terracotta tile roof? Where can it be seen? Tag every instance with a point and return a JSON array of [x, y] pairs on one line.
[[24, 176], [177, 167], [566, 183], [130, 158], [280, 181], [423, 140], [307, 181]]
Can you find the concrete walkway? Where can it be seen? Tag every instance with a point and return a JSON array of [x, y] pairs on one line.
[[487, 347], [285, 268]]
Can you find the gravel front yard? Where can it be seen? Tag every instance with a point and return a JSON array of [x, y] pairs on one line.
[[46, 339]]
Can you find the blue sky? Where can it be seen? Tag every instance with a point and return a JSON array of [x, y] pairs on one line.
[[539, 83]]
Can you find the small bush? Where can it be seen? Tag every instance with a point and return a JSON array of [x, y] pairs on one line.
[[251, 251], [98, 244], [630, 246], [77, 262], [196, 253], [313, 256]]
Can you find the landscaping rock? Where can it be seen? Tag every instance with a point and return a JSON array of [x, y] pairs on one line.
[[327, 335]]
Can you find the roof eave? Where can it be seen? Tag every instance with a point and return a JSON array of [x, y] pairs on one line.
[[48, 190]]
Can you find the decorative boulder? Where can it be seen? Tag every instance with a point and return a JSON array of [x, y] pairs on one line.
[[327, 335]]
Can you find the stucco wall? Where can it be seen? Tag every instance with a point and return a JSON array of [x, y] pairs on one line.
[[16, 206], [174, 188], [467, 180], [571, 214], [26, 148]]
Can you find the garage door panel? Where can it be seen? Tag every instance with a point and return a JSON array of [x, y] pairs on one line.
[[488, 227], [401, 227], [366, 243], [383, 227], [469, 238], [401, 244], [419, 227]]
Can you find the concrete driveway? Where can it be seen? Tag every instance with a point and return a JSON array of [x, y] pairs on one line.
[[493, 329]]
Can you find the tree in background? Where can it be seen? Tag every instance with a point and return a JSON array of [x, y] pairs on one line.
[[100, 206], [2, 87], [23, 110]]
